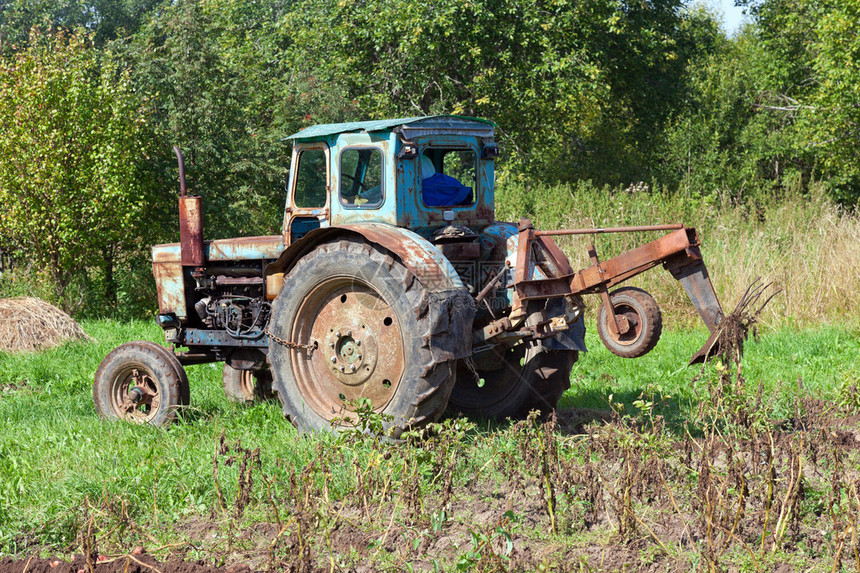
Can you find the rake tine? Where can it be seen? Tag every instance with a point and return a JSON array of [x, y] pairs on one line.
[[755, 296], [742, 302], [764, 304], [758, 294]]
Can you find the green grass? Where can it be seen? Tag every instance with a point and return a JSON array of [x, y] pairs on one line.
[[61, 467], [825, 359]]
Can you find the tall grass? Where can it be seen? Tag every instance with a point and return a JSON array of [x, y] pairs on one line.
[[807, 245]]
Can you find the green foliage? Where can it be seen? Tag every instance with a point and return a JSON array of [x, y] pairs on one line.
[[72, 192], [222, 90], [613, 92], [567, 83], [105, 19], [774, 108], [834, 113]]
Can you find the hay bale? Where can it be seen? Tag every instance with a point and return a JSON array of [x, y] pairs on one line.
[[28, 324]]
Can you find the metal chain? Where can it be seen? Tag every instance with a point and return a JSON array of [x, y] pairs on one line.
[[294, 345], [470, 364]]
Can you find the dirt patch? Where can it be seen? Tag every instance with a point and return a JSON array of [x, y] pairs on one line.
[[141, 563]]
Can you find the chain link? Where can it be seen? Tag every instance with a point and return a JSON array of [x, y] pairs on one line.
[[471, 365], [309, 348]]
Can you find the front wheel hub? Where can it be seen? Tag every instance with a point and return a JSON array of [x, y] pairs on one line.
[[135, 395]]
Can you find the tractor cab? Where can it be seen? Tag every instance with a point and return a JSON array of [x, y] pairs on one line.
[[419, 173]]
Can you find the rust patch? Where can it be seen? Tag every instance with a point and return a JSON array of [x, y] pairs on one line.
[[191, 231], [267, 247], [360, 348], [603, 274], [171, 289]]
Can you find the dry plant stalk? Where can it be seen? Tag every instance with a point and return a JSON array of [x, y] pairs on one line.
[[28, 324]]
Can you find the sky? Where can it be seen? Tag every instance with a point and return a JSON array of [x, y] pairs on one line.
[[732, 16]]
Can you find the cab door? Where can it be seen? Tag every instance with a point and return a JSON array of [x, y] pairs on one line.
[[309, 191]]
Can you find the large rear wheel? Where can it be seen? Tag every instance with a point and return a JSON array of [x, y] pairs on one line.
[[348, 326], [510, 383]]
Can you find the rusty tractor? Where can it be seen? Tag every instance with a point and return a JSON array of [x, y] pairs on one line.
[[391, 285]]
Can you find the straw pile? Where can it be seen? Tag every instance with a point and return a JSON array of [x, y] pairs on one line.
[[28, 324]]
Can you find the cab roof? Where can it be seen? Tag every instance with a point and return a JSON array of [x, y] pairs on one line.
[[410, 126]]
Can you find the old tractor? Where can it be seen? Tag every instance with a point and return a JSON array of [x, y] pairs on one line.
[[392, 285]]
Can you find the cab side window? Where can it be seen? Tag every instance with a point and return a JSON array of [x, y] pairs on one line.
[[461, 165], [311, 179], [361, 175]]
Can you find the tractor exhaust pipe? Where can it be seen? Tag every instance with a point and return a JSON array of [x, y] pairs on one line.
[[190, 221]]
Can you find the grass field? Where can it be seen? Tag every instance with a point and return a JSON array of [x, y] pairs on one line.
[[617, 480]]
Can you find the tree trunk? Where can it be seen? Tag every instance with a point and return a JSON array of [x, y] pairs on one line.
[[110, 282]]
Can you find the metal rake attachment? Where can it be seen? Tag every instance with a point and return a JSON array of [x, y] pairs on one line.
[[727, 340]]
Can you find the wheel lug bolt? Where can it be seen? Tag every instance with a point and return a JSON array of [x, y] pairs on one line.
[[358, 357], [337, 333], [333, 359], [342, 369], [331, 344], [352, 368], [358, 343], [349, 333]]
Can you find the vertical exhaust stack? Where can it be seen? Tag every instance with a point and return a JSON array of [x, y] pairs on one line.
[[190, 221]]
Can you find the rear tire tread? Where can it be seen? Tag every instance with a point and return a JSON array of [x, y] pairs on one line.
[[431, 390]]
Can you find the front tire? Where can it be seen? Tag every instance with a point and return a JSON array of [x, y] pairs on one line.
[[356, 326], [140, 382]]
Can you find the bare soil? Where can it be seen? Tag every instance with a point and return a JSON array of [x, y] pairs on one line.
[[140, 563]]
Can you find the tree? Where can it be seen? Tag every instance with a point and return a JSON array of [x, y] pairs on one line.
[[105, 20], [223, 91], [576, 88], [72, 192], [833, 114]]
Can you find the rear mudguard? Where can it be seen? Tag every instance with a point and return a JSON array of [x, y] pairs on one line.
[[448, 301]]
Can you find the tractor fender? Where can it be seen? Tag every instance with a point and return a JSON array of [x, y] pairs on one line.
[[448, 300]]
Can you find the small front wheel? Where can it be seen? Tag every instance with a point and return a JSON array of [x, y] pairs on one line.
[[140, 382], [644, 323]]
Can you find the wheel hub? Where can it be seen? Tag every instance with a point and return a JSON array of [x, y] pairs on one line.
[[630, 327], [352, 353], [137, 396], [360, 345]]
